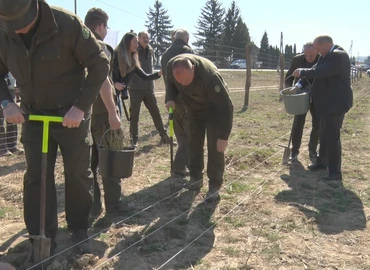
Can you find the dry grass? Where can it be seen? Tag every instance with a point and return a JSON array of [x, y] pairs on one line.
[[269, 216]]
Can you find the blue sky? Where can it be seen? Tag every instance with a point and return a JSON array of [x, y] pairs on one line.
[[300, 21]]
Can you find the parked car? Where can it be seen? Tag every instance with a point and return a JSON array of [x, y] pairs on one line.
[[364, 67], [239, 64]]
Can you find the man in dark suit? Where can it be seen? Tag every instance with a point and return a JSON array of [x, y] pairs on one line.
[[306, 59], [333, 97]]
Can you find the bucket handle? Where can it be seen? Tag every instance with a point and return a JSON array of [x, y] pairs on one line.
[[105, 133], [102, 137]]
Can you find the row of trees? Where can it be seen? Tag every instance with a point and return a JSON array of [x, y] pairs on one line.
[[221, 35]]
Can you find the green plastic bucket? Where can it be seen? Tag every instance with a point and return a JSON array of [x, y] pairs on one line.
[[296, 103]]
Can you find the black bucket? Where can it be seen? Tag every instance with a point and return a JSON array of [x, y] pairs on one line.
[[117, 164]]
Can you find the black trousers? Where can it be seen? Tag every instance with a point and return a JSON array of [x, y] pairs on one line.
[[330, 153], [181, 132], [199, 126], [75, 145], [112, 186], [297, 132], [150, 102]]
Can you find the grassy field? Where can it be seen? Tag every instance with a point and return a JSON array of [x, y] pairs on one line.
[[270, 216]]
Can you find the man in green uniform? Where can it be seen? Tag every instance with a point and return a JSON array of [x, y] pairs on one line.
[[210, 110], [179, 46], [47, 50], [104, 116], [143, 91]]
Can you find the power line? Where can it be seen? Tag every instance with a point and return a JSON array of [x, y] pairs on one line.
[[132, 14]]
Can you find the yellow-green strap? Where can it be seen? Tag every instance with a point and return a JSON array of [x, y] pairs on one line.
[[171, 121]]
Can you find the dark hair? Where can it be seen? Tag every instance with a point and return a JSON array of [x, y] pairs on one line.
[[95, 17]]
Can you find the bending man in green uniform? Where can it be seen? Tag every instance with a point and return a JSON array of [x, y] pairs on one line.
[[179, 46], [210, 110]]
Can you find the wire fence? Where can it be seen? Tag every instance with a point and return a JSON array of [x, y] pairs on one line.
[[8, 134], [359, 97]]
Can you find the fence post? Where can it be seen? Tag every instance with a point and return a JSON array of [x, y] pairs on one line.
[[358, 73], [248, 82], [353, 71], [282, 74]]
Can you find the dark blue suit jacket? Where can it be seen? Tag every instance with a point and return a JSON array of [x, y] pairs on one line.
[[331, 91]]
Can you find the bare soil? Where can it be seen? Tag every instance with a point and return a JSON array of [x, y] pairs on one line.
[[270, 216]]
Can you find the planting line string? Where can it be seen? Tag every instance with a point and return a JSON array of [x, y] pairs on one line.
[[255, 151], [271, 143], [149, 207], [234, 208], [254, 192], [185, 212], [145, 209]]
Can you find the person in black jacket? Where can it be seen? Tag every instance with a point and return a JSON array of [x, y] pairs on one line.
[[126, 64], [333, 97], [306, 59]]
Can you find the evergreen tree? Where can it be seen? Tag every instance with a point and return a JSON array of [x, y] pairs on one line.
[[263, 55], [275, 57], [230, 23], [209, 30], [288, 54], [240, 39], [159, 28], [367, 61]]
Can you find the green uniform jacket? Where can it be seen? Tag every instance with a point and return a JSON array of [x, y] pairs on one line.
[[207, 95], [50, 74], [177, 47], [146, 59], [99, 106]]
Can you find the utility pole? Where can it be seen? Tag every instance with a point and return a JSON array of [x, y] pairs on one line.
[[281, 43], [282, 66], [76, 7], [350, 50]]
